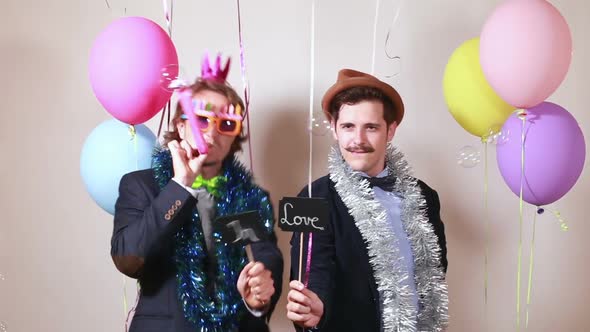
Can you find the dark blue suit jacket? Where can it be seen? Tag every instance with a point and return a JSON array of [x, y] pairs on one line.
[[146, 220], [341, 274]]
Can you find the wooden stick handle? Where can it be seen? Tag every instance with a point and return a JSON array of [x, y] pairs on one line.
[[301, 260], [249, 253]]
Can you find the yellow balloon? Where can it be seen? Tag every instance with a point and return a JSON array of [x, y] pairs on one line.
[[469, 97]]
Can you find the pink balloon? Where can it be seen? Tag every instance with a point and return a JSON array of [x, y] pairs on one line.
[[126, 63], [525, 51]]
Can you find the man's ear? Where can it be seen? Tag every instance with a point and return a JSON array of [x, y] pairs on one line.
[[391, 130], [180, 128], [333, 129]]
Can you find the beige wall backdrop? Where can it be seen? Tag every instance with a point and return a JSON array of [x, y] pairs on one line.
[[54, 240]]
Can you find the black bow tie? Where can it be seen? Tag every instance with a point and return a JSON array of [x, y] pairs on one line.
[[385, 183]]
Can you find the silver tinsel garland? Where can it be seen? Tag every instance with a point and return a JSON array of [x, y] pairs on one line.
[[398, 312]]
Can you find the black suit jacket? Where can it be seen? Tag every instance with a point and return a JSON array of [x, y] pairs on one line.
[[341, 274], [146, 220]]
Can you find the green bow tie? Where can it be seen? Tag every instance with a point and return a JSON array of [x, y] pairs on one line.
[[212, 185]]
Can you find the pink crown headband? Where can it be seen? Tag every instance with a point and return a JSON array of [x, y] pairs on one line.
[[215, 73]]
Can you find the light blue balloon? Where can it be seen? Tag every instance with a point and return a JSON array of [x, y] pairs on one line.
[[109, 152]]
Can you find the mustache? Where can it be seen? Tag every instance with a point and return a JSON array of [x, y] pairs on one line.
[[360, 148]]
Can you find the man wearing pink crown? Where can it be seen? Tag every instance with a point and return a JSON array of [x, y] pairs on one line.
[[190, 280]]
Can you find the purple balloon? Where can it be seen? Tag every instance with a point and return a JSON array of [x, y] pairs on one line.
[[554, 150]]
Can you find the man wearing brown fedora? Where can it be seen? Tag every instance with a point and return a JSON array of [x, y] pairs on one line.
[[380, 264]]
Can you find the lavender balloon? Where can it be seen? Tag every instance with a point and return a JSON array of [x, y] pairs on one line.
[[554, 150]]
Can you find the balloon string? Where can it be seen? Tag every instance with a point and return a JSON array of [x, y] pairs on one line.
[[530, 279], [129, 315], [562, 224], [522, 116], [125, 297], [109, 7], [133, 134], [376, 20], [388, 36], [487, 229], [168, 15], [310, 128], [135, 149], [311, 95], [246, 85], [166, 109]]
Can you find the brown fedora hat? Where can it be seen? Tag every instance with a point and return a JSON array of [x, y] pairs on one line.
[[348, 78]]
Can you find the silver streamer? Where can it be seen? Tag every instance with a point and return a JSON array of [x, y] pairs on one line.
[[398, 312]]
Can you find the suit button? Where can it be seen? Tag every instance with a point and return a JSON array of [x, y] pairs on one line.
[[174, 207], [178, 203], [171, 212], [167, 217]]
